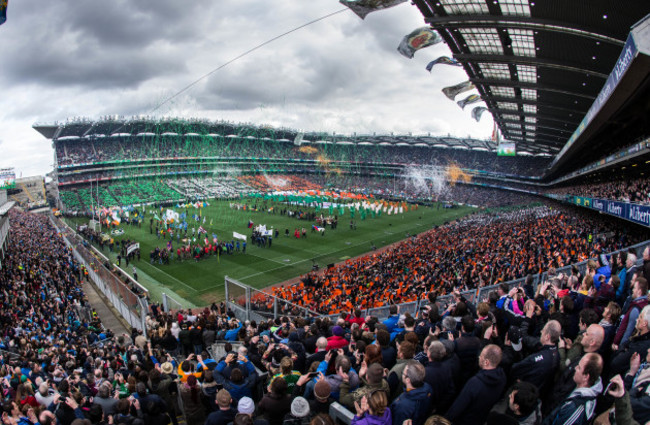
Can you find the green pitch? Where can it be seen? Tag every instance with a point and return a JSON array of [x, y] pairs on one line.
[[200, 283]]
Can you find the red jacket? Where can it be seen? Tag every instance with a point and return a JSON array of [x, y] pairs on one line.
[[335, 342]]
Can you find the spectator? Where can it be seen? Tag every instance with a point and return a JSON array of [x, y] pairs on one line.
[[372, 410], [225, 413], [276, 403], [481, 392], [521, 406], [299, 414], [579, 406], [190, 394], [413, 402]]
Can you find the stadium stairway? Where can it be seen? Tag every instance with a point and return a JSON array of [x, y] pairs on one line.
[[109, 317]]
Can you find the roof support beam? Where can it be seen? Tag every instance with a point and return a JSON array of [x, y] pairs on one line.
[[520, 22], [533, 86], [525, 60]]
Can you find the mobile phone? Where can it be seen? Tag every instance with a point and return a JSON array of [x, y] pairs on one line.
[[312, 374]]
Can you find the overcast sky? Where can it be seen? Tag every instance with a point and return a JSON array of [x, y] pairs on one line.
[[73, 58]]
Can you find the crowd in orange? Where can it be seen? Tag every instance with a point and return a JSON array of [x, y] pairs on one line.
[[278, 182], [474, 252]]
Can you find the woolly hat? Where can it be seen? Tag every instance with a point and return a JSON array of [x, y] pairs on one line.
[[337, 330], [299, 407], [322, 390], [375, 374], [246, 406]]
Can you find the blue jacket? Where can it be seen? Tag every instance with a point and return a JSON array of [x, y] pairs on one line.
[[414, 405], [231, 335], [391, 322]]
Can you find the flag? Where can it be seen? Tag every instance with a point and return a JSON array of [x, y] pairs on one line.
[[3, 11], [445, 60], [472, 98], [477, 112], [418, 39], [155, 217], [452, 91], [364, 7], [250, 223], [202, 230]]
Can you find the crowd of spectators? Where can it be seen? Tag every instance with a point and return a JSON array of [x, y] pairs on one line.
[[635, 190], [521, 356], [72, 152], [476, 251]]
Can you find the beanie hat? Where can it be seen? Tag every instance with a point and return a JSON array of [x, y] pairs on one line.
[[299, 407], [246, 406], [337, 330], [375, 374], [322, 390]]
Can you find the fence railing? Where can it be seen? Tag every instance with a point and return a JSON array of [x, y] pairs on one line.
[[252, 304], [130, 306], [170, 304]]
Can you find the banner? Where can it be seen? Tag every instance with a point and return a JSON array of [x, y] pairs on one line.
[[236, 235], [364, 7], [132, 248], [639, 214], [452, 91], [582, 201], [418, 39], [477, 112], [472, 98], [7, 177], [443, 60]]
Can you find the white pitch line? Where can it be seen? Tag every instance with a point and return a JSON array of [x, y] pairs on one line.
[[172, 277]]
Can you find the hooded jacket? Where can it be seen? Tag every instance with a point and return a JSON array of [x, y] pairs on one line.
[[579, 408], [478, 396]]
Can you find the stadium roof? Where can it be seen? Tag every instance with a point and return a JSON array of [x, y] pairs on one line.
[[538, 65], [83, 128]]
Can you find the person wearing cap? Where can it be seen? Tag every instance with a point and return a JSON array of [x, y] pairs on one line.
[[225, 413], [337, 340], [300, 413], [162, 385], [246, 406], [322, 398]]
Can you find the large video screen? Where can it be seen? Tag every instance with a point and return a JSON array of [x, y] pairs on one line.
[[7, 178]]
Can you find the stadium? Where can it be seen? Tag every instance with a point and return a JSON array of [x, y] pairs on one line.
[[210, 271]]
